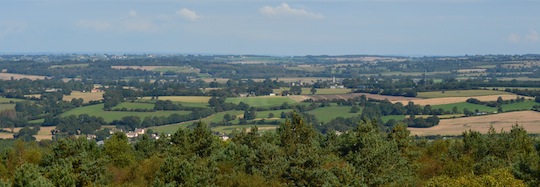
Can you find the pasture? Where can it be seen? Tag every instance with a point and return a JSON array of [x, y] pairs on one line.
[[44, 133], [526, 105], [325, 114], [530, 120], [261, 101], [8, 76], [7, 107], [450, 100], [70, 66], [320, 91], [463, 105], [277, 113], [9, 100], [109, 116], [460, 93], [86, 96], [230, 129], [170, 128], [183, 99], [130, 105]]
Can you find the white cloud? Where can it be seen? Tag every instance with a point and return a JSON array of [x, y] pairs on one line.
[[532, 36], [188, 14], [514, 38], [285, 10], [132, 13]]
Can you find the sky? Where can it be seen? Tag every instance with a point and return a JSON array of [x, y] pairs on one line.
[[269, 27]]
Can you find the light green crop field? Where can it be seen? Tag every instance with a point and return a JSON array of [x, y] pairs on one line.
[[218, 117], [109, 116], [9, 100], [463, 105], [171, 129], [229, 129], [320, 91], [7, 107], [261, 101], [308, 68], [180, 69], [185, 99], [277, 113], [395, 117], [325, 114], [70, 66], [129, 105], [460, 93], [526, 105]]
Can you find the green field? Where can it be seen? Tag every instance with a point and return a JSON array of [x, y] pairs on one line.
[[459, 93], [229, 129], [169, 128], [70, 66], [320, 91], [308, 68], [129, 105], [7, 107], [179, 69], [262, 101], [461, 106], [9, 100], [526, 105], [325, 114], [183, 99], [109, 116], [277, 113]]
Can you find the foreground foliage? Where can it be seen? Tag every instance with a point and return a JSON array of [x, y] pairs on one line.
[[294, 155]]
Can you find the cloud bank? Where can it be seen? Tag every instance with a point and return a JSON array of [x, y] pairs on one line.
[[285, 10], [530, 37], [188, 14]]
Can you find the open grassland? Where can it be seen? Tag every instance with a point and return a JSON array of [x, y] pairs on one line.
[[216, 118], [129, 105], [9, 100], [8, 76], [170, 129], [519, 88], [309, 68], [86, 96], [179, 69], [44, 133], [530, 120], [230, 129], [7, 107], [325, 114], [277, 113], [109, 116], [320, 91], [450, 100], [463, 105], [526, 105], [459, 93], [70, 66], [261, 101], [183, 99]]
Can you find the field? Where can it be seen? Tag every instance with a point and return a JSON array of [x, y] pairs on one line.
[[183, 99], [261, 101], [528, 119], [229, 129], [8, 76], [70, 66], [526, 105], [86, 96], [353, 95], [129, 105], [463, 105], [7, 107], [320, 91], [9, 100], [277, 113], [309, 68], [460, 93], [325, 114], [169, 128], [450, 100], [109, 116], [44, 133]]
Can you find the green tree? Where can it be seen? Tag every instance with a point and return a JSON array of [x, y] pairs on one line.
[[118, 150]]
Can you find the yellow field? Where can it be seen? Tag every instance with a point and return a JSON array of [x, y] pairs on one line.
[[44, 133], [8, 76], [530, 120], [86, 96], [186, 99], [450, 100]]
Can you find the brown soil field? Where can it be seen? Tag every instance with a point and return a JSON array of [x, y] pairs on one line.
[[43, 134], [450, 100], [86, 96], [530, 120], [7, 76]]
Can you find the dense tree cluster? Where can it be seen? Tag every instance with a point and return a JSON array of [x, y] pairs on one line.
[[294, 155]]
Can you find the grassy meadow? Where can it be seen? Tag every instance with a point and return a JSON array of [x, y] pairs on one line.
[[183, 99], [7, 107], [230, 129], [10, 100], [526, 105], [109, 116], [129, 106], [325, 114], [320, 91], [261, 101], [463, 105]]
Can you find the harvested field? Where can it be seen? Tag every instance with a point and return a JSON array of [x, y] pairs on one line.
[[530, 120], [450, 100], [8, 76], [44, 133], [86, 96]]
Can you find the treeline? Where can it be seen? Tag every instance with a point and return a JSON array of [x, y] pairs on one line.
[[294, 155]]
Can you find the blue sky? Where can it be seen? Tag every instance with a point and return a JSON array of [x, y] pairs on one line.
[[294, 27]]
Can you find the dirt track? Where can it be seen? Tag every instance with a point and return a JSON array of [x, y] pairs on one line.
[[530, 120]]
